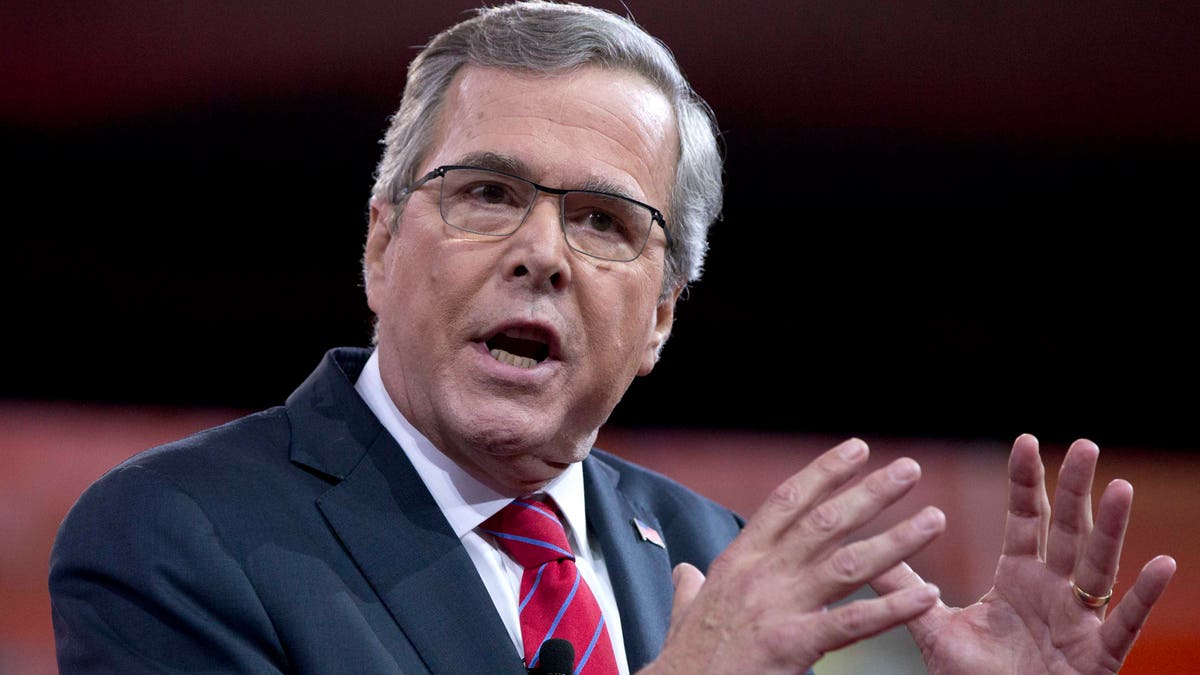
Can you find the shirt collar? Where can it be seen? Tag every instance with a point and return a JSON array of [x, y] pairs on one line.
[[464, 500]]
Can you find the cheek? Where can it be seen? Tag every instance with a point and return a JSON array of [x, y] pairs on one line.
[[448, 283], [417, 257], [620, 325], [457, 269], [415, 295]]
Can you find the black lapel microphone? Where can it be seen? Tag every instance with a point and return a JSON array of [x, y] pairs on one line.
[[556, 657]]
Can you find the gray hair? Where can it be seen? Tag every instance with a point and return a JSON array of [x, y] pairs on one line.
[[549, 37]]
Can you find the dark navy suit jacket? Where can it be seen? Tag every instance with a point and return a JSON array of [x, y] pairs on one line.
[[300, 539]]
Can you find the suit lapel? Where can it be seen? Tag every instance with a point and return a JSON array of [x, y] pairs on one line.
[[392, 528], [640, 571], [396, 534]]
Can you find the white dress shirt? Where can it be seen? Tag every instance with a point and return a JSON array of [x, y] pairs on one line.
[[467, 503]]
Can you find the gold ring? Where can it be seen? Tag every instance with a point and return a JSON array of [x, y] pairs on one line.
[[1091, 601]]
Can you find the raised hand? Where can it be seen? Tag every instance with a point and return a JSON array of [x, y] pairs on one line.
[[764, 607], [1037, 618]]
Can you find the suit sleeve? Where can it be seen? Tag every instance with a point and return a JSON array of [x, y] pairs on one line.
[[142, 582]]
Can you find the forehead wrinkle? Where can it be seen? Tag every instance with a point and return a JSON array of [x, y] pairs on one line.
[[643, 128], [637, 146], [640, 138], [497, 161], [638, 126], [643, 160]]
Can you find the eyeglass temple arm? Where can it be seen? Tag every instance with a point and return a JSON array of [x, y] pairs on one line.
[[403, 192]]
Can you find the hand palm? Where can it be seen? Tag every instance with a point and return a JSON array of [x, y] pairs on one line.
[[1030, 621]]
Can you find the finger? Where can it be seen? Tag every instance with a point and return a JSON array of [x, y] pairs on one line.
[[1071, 521], [1119, 630], [1096, 570], [861, 619], [796, 495], [1028, 507], [828, 523], [852, 565], [688, 580]]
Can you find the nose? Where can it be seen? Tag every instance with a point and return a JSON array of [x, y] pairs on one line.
[[537, 253]]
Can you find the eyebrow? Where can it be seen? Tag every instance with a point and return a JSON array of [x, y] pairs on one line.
[[496, 162], [509, 164]]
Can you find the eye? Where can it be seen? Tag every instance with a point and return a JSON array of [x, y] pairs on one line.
[[598, 214], [601, 221], [490, 193]]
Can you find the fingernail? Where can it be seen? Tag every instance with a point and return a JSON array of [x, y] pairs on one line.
[[853, 449], [904, 470], [930, 519], [932, 591]]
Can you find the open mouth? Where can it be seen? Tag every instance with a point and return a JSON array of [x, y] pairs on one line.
[[522, 346]]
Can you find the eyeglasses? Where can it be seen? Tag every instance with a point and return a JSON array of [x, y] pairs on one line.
[[495, 204]]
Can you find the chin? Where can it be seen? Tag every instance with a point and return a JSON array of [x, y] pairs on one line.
[[534, 439], [500, 426], [542, 445], [517, 472], [537, 442]]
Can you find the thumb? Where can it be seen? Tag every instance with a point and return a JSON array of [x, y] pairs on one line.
[[896, 579], [687, 580], [901, 578]]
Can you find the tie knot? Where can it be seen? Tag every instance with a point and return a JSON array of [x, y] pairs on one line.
[[530, 532]]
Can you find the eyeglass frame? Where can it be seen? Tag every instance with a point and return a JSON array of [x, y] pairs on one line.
[[656, 216]]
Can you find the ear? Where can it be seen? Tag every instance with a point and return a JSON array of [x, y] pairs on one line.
[[376, 262], [664, 316]]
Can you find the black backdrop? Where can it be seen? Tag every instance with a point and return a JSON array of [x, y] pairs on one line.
[[941, 221]]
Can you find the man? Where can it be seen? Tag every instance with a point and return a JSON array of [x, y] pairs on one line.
[[541, 203]]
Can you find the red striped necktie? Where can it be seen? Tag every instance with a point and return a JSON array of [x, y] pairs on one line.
[[555, 600]]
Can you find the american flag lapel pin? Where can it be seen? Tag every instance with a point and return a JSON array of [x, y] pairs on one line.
[[649, 534]]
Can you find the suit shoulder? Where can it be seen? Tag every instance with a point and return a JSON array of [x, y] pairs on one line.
[[225, 470], [237, 445], [147, 568], [230, 487]]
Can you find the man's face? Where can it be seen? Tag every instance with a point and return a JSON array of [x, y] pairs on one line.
[[445, 298]]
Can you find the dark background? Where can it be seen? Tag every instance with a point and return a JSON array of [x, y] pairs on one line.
[[942, 219]]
